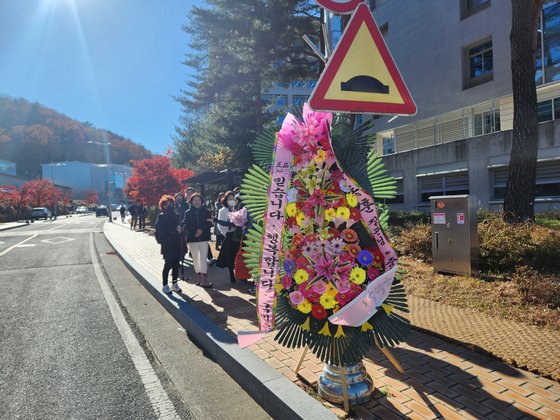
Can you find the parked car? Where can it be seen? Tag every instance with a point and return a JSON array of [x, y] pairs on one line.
[[82, 210], [101, 211], [40, 213]]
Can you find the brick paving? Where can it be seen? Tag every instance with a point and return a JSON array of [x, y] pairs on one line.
[[441, 380]]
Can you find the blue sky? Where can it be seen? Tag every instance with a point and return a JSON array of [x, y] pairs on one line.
[[114, 63]]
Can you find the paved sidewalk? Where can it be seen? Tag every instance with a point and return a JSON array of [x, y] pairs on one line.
[[11, 225], [441, 379]]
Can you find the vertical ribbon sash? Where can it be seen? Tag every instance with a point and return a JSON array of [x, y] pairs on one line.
[[271, 245], [366, 304]]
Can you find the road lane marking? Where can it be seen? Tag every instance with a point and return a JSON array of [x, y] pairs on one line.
[[58, 240], [14, 246], [25, 245], [162, 405]]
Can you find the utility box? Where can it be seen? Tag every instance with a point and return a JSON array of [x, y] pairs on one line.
[[454, 234]]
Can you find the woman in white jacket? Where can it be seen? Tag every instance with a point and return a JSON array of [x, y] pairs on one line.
[[232, 235]]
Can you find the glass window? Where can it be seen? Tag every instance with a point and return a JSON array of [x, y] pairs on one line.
[[281, 100], [487, 122], [480, 60], [299, 100], [544, 111], [556, 108], [388, 146], [548, 58], [298, 84], [470, 7]]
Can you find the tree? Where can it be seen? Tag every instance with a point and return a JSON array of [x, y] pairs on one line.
[[40, 193], [152, 178], [91, 198], [11, 197], [520, 187], [241, 48]]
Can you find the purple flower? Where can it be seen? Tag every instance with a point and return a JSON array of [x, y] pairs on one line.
[[296, 298], [365, 258], [336, 246], [290, 267]]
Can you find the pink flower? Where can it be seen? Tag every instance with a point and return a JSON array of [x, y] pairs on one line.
[[320, 287], [317, 198], [343, 271], [296, 298], [342, 286], [325, 267], [238, 218], [286, 281]]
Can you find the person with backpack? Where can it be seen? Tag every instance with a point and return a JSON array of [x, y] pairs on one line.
[[168, 235]]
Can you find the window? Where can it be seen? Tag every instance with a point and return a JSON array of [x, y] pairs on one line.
[[487, 122], [547, 184], [299, 100], [480, 65], [548, 58], [445, 184], [470, 7], [388, 146], [298, 84], [281, 100], [359, 119], [548, 110]]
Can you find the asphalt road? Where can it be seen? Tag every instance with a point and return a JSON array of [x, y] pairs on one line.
[[70, 343]]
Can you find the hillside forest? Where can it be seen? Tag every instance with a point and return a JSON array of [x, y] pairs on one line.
[[32, 134]]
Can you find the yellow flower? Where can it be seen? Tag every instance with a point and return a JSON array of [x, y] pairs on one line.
[[324, 233], [339, 332], [330, 214], [343, 212], [320, 157], [351, 199], [366, 326], [357, 275], [291, 210], [327, 300], [325, 330], [304, 307], [331, 290], [301, 276], [299, 217]]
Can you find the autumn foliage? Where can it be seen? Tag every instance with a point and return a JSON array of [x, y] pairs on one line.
[[41, 193], [92, 198], [151, 178]]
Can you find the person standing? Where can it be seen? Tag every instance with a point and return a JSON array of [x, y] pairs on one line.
[[218, 206], [168, 231], [142, 213], [232, 234], [122, 211], [197, 223], [133, 216]]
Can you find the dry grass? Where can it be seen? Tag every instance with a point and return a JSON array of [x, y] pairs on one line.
[[497, 297]]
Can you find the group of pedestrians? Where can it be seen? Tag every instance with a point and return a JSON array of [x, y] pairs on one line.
[[185, 225], [138, 213]]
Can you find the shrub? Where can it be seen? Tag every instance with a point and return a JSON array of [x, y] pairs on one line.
[[504, 246], [403, 218], [536, 288], [416, 240], [546, 254]]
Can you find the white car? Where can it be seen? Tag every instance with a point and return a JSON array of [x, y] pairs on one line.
[[40, 213], [82, 210]]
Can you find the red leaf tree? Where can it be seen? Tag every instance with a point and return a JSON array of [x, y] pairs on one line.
[[152, 178], [41, 192], [11, 197], [92, 198]]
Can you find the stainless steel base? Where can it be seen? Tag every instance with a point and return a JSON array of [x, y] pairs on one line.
[[360, 385]]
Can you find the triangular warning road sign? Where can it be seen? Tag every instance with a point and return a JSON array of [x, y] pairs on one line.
[[361, 76]]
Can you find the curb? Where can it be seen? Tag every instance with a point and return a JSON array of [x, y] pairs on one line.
[[2, 229], [276, 394]]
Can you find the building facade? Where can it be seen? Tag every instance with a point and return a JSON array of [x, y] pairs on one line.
[[454, 56], [107, 180]]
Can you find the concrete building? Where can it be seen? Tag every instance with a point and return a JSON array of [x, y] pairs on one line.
[[7, 167], [107, 180], [454, 56]]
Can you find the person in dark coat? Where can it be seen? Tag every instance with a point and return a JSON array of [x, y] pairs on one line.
[[197, 223], [133, 210], [232, 234], [168, 235]]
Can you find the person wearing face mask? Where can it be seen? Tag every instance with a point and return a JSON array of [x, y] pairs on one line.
[[232, 235], [168, 231], [197, 223]]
